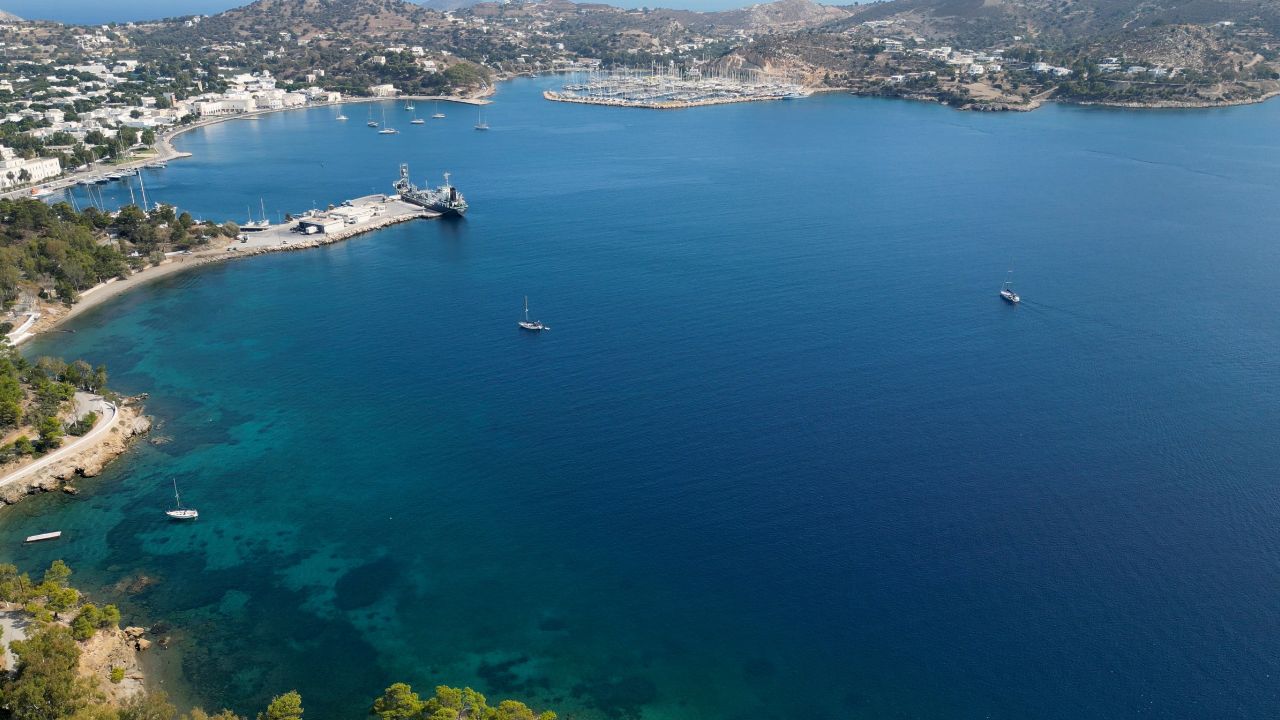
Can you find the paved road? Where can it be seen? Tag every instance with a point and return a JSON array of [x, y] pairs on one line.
[[110, 416]]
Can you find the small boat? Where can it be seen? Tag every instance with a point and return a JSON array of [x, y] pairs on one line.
[[1006, 292], [178, 512], [342, 117], [408, 106], [44, 536], [417, 121], [114, 176], [526, 323], [372, 123], [480, 123], [437, 115]]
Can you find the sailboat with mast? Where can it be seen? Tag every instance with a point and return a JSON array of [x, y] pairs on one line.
[[386, 130], [179, 512], [255, 225], [531, 325], [437, 115], [480, 123], [417, 120], [1006, 290], [374, 123]]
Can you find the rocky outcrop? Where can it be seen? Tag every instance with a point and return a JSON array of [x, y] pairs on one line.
[[86, 462], [110, 649]]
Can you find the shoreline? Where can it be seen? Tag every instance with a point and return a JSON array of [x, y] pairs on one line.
[[53, 315], [165, 151], [85, 456]]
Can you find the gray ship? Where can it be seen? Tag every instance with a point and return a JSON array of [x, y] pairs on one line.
[[444, 199]]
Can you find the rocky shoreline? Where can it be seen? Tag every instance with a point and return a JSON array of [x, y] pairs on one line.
[[85, 463]]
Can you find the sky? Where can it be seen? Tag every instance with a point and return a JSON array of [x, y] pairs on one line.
[[103, 11]]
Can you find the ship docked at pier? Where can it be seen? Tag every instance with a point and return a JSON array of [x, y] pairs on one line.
[[444, 199]]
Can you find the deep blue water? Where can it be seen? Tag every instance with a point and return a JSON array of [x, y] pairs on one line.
[[784, 452]]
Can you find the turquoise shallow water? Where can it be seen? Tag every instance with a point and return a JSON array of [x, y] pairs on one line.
[[784, 452]]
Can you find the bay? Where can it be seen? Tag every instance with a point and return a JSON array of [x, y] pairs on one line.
[[784, 452]]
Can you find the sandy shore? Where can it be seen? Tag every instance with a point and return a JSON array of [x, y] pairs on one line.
[[276, 239]]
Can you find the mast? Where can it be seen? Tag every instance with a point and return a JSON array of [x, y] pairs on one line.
[[142, 185], [176, 499], [526, 308]]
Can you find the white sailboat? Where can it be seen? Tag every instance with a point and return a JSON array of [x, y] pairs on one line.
[[386, 130], [417, 120], [437, 115], [480, 123], [1006, 291], [178, 512], [527, 324]]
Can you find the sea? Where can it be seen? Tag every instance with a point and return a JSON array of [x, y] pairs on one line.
[[783, 453]]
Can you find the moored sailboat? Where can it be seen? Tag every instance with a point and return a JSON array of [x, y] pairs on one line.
[[179, 512], [527, 324]]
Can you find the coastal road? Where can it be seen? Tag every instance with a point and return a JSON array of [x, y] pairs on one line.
[[84, 403]]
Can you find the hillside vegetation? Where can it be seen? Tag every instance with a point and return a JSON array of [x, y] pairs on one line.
[[49, 683]]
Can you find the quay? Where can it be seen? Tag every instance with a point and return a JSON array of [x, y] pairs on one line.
[[653, 104], [669, 90], [322, 227]]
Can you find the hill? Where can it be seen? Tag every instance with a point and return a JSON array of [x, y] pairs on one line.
[[308, 18], [1013, 54]]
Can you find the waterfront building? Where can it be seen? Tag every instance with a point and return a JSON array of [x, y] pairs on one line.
[[12, 169]]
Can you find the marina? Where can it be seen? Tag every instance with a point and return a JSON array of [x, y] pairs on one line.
[[674, 89]]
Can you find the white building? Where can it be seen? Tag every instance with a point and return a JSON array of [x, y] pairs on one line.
[[12, 167]]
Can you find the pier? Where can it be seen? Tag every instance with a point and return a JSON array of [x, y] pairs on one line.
[[322, 227]]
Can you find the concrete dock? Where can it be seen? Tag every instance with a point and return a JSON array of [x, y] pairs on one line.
[[352, 218]]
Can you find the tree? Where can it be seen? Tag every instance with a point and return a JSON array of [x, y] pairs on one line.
[[47, 685], [148, 706], [83, 627], [62, 599], [399, 702], [148, 137], [79, 373], [110, 617], [284, 707], [50, 433], [58, 574], [200, 714], [516, 710]]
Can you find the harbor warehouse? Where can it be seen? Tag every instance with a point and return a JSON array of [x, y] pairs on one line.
[[311, 226]]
